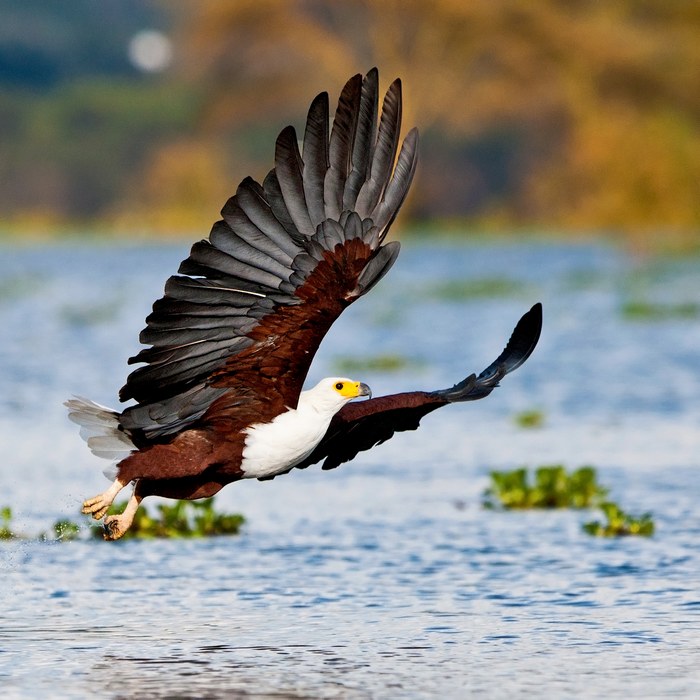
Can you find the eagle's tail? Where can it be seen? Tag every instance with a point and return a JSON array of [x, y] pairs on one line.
[[100, 428]]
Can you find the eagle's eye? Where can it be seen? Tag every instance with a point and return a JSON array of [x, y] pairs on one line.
[[339, 386]]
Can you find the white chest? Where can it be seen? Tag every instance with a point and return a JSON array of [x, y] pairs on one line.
[[271, 448]]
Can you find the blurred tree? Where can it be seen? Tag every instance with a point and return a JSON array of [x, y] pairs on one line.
[[557, 113], [45, 43], [76, 117], [69, 155], [548, 113]]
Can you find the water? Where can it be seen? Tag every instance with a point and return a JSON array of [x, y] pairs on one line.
[[384, 578]]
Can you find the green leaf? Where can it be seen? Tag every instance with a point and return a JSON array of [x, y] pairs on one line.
[[619, 524], [179, 520], [553, 488]]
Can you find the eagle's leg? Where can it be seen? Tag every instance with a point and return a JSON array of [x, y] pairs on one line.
[[116, 525], [98, 506]]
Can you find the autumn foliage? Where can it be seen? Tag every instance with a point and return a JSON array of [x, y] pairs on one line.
[[553, 114]]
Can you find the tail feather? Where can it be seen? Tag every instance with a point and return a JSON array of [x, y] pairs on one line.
[[100, 428]]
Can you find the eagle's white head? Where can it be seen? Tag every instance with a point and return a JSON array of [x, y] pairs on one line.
[[274, 447], [332, 393]]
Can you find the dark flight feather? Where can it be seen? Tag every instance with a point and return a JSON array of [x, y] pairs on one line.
[[289, 171], [252, 202], [384, 152], [315, 157], [252, 251], [364, 143], [397, 188], [378, 267], [341, 145], [288, 256]]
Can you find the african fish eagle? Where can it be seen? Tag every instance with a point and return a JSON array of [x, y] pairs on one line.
[[218, 396]]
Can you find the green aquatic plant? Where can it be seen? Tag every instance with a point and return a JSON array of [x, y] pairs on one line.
[[18, 286], [585, 279], [648, 311], [376, 363], [65, 530], [80, 315], [532, 418], [480, 288], [553, 487], [182, 519], [619, 524], [6, 532]]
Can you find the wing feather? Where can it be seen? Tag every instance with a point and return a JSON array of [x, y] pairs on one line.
[[278, 207], [366, 134], [250, 305], [206, 292], [289, 171], [210, 262], [384, 153], [316, 157], [179, 375], [341, 146], [248, 252], [397, 188], [197, 351], [207, 321], [251, 202], [378, 267], [158, 420]]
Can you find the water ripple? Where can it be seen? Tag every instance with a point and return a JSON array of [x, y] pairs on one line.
[[383, 578]]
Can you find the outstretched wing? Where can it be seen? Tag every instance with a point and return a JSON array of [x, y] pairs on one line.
[[359, 426], [240, 324]]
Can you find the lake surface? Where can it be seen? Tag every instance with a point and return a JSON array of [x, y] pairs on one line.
[[384, 578]]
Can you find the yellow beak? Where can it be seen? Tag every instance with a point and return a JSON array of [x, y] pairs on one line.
[[352, 390]]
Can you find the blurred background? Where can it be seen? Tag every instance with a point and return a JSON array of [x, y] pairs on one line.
[[563, 116], [542, 122]]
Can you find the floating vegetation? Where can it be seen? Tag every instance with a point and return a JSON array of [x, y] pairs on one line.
[[6, 532], [483, 288], [375, 363], [585, 279], [182, 519], [532, 418], [65, 530], [18, 286], [553, 487], [90, 314], [620, 524], [648, 311]]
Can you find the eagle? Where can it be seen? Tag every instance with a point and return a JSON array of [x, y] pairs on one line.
[[218, 393]]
